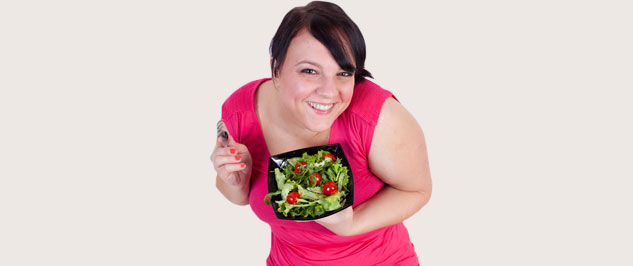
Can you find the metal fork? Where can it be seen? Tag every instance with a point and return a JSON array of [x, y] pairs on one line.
[[223, 133]]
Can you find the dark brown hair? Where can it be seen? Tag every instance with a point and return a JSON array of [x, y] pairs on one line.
[[329, 24]]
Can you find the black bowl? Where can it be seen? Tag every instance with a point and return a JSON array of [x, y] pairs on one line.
[[276, 161]]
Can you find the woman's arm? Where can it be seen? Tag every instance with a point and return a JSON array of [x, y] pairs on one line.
[[399, 158]]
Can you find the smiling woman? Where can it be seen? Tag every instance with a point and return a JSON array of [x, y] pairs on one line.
[[318, 95], [312, 86]]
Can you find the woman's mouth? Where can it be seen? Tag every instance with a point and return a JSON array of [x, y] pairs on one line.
[[321, 108]]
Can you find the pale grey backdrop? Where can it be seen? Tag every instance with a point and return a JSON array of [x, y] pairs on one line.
[[108, 111]]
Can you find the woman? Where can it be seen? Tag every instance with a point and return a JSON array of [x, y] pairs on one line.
[[318, 95]]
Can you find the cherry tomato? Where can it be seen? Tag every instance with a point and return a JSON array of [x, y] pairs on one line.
[[315, 178], [298, 166], [330, 188], [329, 155], [292, 197]]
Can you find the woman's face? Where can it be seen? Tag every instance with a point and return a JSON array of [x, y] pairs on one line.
[[312, 87]]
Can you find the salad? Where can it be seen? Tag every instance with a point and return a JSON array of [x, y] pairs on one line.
[[310, 185]]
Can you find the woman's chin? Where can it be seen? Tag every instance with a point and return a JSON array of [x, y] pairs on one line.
[[317, 121], [318, 126]]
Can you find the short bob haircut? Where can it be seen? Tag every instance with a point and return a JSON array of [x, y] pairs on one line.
[[329, 24]]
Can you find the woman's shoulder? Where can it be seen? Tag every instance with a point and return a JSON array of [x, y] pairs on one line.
[[368, 99], [242, 99]]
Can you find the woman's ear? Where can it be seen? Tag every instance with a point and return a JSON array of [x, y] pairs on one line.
[[272, 67], [275, 76]]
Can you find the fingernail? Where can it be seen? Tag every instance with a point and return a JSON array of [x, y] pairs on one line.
[[237, 158], [232, 151], [242, 165]]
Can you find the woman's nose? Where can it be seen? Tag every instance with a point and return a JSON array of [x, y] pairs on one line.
[[327, 88]]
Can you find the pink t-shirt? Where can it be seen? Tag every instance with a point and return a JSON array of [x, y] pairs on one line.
[[309, 243]]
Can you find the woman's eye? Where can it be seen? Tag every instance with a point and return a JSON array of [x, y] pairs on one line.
[[308, 71], [346, 74]]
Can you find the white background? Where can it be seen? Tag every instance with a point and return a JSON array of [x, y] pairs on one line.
[[108, 112]]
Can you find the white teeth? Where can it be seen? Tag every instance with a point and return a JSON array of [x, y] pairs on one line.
[[321, 106]]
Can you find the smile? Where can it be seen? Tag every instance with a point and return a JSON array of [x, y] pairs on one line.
[[321, 107]]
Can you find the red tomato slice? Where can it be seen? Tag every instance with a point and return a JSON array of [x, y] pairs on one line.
[[330, 188], [299, 165], [329, 155], [292, 197], [315, 178]]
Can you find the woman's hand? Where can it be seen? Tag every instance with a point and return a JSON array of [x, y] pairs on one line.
[[340, 223], [233, 166]]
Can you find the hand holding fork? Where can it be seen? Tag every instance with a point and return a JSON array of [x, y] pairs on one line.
[[231, 160]]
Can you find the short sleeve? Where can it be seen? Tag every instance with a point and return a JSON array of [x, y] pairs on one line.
[[238, 105], [365, 110]]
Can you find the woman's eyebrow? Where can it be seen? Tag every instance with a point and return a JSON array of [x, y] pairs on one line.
[[307, 62]]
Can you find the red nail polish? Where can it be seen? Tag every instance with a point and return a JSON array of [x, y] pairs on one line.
[[242, 165], [237, 158], [232, 151]]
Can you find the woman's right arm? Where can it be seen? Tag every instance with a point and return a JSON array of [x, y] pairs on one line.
[[233, 165]]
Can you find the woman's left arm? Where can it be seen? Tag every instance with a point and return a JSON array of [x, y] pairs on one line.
[[399, 158]]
